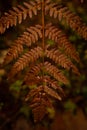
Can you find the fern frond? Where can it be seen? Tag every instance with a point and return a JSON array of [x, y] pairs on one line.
[[39, 102], [13, 53], [54, 10], [35, 78], [75, 22], [32, 80], [18, 14], [39, 111], [40, 60], [27, 58], [32, 93], [55, 72], [28, 38], [61, 39], [31, 35], [62, 12], [61, 59], [50, 87], [52, 93], [51, 69], [52, 83], [34, 70]]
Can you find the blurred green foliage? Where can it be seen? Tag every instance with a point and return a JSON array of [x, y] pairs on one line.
[[69, 105], [15, 88], [50, 42], [51, 112], [25, 110]]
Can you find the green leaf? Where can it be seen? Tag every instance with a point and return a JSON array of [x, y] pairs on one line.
[[32, 86], [72, 38], [16, 86], [69, 105], [50, 42], [51, 112], [25, 110]]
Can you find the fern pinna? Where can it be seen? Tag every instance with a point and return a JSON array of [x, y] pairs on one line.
[[44, 63]]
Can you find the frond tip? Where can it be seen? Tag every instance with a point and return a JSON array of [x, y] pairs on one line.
[[39, 102]]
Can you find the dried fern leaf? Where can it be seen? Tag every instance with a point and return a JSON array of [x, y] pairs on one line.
[[52, 83], [33, 93], [13, 52], [53, 9], [28, 38], [39, 112], [34, 70], [49, 5], [55, 72], [31, 35], [61, 59], [27, 58], [75, 23], [38, 69], [31, 80], [59, 37], [46, 80], [52, 93], [18, 14], [51, 69], [24, 15], [39, 102], [61, 12]]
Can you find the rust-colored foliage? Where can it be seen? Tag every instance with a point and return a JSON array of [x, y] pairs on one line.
[[43, 61]]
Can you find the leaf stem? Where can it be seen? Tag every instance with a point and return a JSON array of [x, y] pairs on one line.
[[43, 27]]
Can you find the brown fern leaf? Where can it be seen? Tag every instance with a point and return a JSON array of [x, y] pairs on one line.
[[34, 78], [27, 58], [31, 80], [18, 14], [52, 83], [61, 59], [39, 102], [41, 61], [62, 12], [55, 72], [52, 93], [48, 68], [30, 36], [50, 90], [61, 39], [75, 23], [33, 72], [54, 10], [13, 52]]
